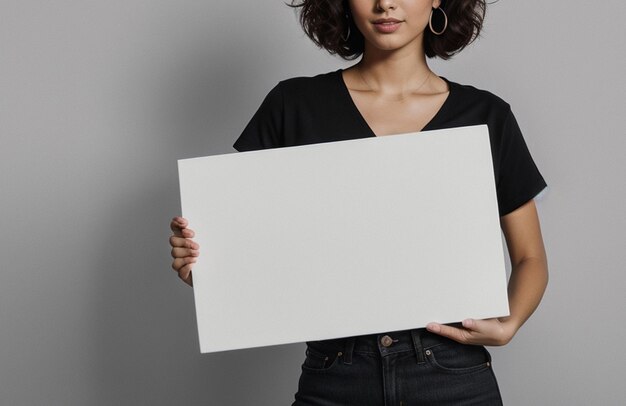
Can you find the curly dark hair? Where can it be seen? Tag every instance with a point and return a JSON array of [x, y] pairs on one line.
[[327, 22]]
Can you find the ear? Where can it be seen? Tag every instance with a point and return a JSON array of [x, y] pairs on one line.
[[436, 3]]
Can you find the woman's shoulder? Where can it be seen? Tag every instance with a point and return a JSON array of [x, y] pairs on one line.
[[474, 96], [307, 84]]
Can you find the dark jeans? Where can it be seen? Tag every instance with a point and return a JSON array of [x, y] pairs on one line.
[[400, 368]]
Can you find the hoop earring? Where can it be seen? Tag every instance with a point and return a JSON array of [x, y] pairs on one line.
[[347, 36], [430, 21]]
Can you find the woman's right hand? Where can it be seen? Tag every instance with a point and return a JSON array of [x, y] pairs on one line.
[[184, 250]]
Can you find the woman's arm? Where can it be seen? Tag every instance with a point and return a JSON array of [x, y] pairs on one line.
[[528, 281]]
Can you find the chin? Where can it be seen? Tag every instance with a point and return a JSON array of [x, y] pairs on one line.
[[393, 44], [389, 47]]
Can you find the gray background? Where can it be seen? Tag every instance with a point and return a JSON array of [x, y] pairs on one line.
[[99, 99]]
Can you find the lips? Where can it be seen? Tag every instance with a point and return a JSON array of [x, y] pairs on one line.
[[386, 25]]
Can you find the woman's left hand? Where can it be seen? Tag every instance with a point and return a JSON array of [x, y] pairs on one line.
[[492, 332]]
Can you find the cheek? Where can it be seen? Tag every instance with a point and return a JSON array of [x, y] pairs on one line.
[[420, 15], [360, 24], [357, 7], [361, 21]]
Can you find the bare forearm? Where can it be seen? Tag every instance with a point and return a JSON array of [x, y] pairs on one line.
[[527, 284]]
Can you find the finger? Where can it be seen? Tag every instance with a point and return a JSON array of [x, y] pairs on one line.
[[184, 232], [457, 334], [188, 281], [479, 324], [488, 331], [180, 222], [471, 324], [175, 225], [486, 327], [186, 275], [179, 263], [178, 225], [188, 233], [182, 242], [184, 252]]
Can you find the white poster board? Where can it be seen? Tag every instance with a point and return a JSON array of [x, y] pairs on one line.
[[344, 238]]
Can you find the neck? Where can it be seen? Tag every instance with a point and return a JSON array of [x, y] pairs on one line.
[[395, 72]]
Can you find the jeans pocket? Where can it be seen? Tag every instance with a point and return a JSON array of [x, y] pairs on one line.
[[319, 360], [456, 358]]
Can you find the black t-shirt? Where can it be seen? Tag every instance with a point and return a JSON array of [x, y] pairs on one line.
[[310, 110]]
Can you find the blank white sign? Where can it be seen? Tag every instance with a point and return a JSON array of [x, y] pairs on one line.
[[344, 238]]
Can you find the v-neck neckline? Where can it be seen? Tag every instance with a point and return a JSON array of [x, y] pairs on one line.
[[359, 116]]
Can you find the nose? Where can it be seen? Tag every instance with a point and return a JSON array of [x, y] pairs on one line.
[[384, 5]]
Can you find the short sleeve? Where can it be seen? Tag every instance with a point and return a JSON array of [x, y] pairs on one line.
[[519, 180], [266, 126]]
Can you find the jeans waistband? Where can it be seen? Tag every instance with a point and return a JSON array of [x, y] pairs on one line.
[[383, 343]]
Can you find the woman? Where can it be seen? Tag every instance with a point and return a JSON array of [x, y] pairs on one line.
[[392, 90]]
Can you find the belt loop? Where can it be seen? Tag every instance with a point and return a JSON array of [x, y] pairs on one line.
[[417, 343], [347, 352]]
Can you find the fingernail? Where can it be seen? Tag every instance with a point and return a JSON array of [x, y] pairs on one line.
[[432, 327], [468, 323]]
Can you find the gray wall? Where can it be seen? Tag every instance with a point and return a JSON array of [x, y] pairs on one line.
[[99, 99]]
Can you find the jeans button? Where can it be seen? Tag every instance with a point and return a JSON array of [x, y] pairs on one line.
[[386, 341]]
